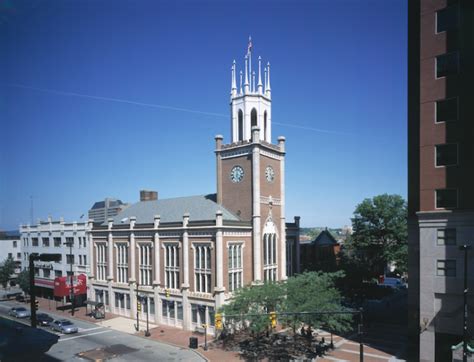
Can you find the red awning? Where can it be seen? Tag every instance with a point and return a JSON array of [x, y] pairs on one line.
[[62, 286], [45, 283]]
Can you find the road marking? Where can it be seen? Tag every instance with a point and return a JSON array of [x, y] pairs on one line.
[[84, 335], [365, 354], [335, 359], [89, 329]]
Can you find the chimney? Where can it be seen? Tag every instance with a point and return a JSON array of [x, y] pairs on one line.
[[146, 195]]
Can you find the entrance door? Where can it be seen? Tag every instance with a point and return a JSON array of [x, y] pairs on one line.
[[172, 313], [122, 304]]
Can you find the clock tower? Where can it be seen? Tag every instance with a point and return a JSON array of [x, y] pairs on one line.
[[251, 169]]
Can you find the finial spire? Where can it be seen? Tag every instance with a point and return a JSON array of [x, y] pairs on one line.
[[268, 89], [241, 75], [246, 83], [234, 86], [253, 81], [260, 74]]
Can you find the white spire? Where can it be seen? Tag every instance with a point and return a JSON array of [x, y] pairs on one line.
[[240, 92], [260, 74], [268, 89], [253, 81], [265, 80], [234, 86], [246, 84], [249, 54]]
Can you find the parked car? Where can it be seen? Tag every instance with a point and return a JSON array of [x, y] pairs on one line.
[[19, 312], [64, 326], [43, 319]]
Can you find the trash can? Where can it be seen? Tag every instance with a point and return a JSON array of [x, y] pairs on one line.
[[193, 342]]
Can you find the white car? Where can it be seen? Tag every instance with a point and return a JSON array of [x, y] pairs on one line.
[[64, 326]]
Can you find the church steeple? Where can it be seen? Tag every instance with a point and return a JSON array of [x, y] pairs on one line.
[[251, 106]]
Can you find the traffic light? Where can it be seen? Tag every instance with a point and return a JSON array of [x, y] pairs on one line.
[[218, 321], [273, 319], [167, 293], [139, 306], [36, 305]]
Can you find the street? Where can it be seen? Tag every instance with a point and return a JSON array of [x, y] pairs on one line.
[[94, 342]]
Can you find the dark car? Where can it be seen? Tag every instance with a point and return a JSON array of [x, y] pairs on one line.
[[43, 319]]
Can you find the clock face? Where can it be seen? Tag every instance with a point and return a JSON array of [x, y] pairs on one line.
[[269, 174], [237, 174]]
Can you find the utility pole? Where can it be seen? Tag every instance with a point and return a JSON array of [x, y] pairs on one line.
[[465, 338], [361, 334], [31, 265], [137, 327], [71, 294]]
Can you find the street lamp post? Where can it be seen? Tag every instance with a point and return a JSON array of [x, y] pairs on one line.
[[71, 295], [465, 338], [147, 332]]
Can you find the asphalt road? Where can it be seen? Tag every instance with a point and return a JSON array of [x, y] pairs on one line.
[[96, 342]]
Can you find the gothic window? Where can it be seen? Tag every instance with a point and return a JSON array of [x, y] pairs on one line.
[[172, 266], [145, 264], [202, 268], [253, 117], [241, 125], [235, 267], [269, 251]]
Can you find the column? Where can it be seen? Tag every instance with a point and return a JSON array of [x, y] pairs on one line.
[[185, 286], [297, 245], [282, 266], [219, 289], [110, 248], [257, 257], [156, 253], [133, 251]]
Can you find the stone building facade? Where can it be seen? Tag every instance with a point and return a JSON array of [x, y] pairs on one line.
[[186, 256]]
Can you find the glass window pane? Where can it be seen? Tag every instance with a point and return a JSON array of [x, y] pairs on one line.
[[447, 19], [446, 198], [447, 64], [180, 311], [447, 154], [447, 110]]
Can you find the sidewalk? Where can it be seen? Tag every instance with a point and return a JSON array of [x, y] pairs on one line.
[[163, 333]]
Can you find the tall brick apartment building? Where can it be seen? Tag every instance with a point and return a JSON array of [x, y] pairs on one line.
[[187, 255], [441, 171]]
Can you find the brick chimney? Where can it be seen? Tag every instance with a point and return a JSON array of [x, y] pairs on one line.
[[147, 195]]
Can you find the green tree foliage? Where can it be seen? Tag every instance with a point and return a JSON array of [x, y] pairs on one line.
[[250, 305], [24, 281], [379, 234], [7, 268], [308, 292], [315, 292]]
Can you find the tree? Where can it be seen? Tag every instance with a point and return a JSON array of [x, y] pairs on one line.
[[6, 270], [24, 280], [315, 292], [307, 292], [380, 234], [250, 304]]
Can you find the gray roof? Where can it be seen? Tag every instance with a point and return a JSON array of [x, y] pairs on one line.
[[202, 207]]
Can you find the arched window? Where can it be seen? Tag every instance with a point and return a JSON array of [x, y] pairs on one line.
[[253, 117], [241, 125], [269, 251], [265, 126]]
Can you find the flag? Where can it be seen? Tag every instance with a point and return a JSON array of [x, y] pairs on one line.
[[81, 216], [249, 47]]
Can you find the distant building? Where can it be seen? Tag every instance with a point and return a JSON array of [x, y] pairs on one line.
[[103, 210], [322, 253], [440, 173], [52, 237], [10, 247]]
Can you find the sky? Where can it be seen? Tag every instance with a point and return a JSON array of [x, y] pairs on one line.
[[105, 98]]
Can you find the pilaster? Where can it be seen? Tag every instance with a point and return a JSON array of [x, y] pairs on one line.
[[156, 252], [283, 276], [110, 249], [257, 257], [133, 251], [219, 289]]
